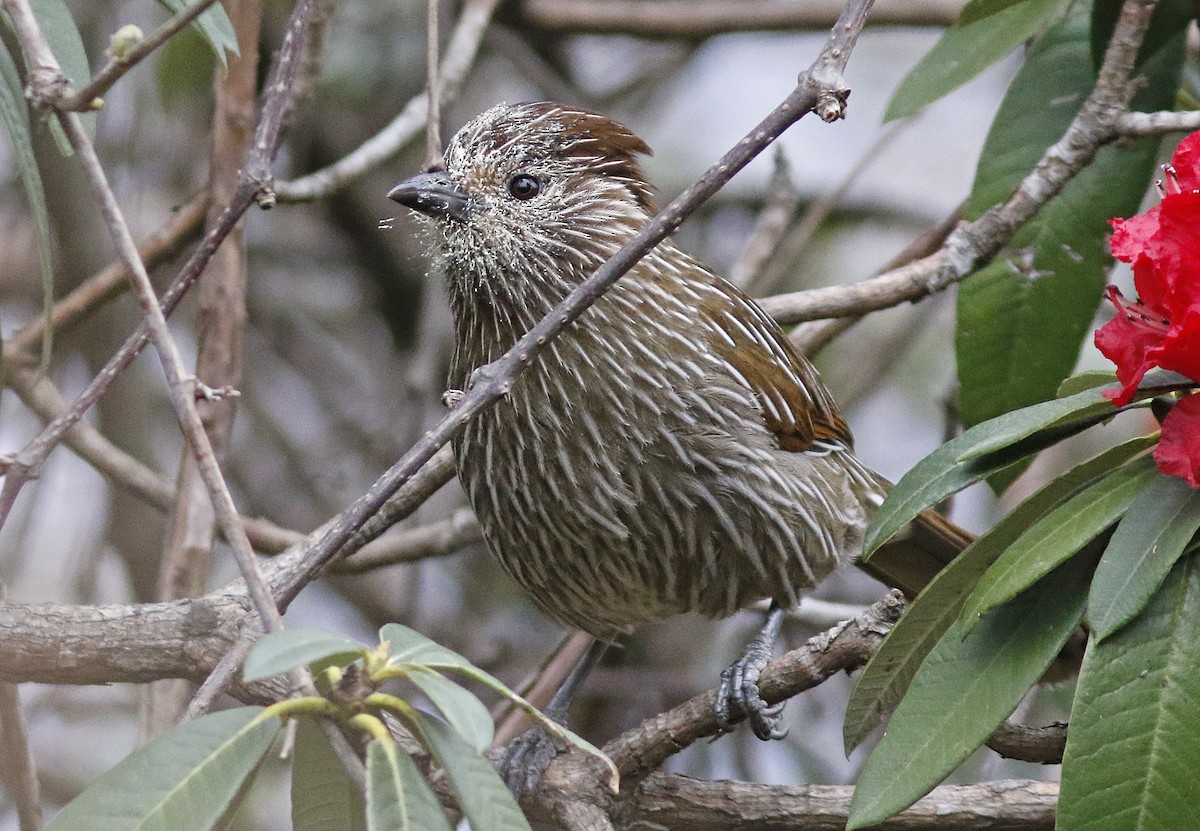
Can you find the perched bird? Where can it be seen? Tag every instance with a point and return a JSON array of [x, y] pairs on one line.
[[669, 451]]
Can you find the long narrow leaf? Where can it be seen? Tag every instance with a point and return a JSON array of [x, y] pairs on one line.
[[967, 49], [1149, 539], [66, 43], [190, 779], [967, 686], [323, 797], [398, 798], [1132, 759], [214, 27], [484, 797], [886, 677], [15, 115], [957, 464], [288, 649], [1058, 535], [461, 710]]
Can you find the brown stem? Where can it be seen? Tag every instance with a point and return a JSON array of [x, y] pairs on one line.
[[220, 333]]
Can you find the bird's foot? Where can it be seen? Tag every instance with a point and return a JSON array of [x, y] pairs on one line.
[[526, 759], [738, 693]]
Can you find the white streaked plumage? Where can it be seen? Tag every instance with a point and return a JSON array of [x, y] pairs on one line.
[[648, 462]]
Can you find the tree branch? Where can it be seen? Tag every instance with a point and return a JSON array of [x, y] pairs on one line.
[[459, 58], [705, 18]]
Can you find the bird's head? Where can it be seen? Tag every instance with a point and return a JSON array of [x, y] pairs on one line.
[[533, 183]]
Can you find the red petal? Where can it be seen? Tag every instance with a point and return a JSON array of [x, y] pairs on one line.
[[1175, 252], [1128, 345], [1178, 451], [1186, 161], [1180, 349]]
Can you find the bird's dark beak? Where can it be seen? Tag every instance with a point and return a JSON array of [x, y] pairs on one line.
[[433, 194]]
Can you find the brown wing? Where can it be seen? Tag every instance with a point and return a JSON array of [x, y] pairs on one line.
[[797, 407]]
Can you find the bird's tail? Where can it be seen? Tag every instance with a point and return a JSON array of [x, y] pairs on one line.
[[911, 558]]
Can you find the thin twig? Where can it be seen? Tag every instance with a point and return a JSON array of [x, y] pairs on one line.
[[18, 768], [433, 87], [790, 248], [705, 18], [975, 243], [109, 282], [459, 58], [118, 65], [1151, 124], [770, 226]]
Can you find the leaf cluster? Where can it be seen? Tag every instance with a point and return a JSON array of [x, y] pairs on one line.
[[195, 777]]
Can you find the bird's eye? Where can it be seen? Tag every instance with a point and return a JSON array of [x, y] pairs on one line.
[[524, 186]]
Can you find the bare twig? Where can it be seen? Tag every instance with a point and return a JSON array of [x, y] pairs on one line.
[[220, 333], [975, 243], [846, 646], [110, 281], [460, 57], [770, 226], [704, 18], [45, 84], [790, 248], [433, 88], [119, 64], [1150, 124], [820, 89], [17, 766]]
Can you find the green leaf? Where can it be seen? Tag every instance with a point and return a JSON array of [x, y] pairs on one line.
[[1085, 381], [1132, 759], [958, 463], [1023, 318], [285, 650], [15, 114], [190, 779], [398, 798], [213, 25], [484, 798], [323, 797], [967, 686], [1058, 535], [887, 675], [60, 30], [1150, 538], [966, 49], [411, 650], [409, 646], [979, 9], [462, 710]]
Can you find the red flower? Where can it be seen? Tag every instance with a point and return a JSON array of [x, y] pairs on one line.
[[1163, 327], [1178, 451]]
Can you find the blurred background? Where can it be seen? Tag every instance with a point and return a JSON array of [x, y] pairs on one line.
[[348, 338]]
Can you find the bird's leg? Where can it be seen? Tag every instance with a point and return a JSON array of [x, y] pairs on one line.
[[528, 755], [739, 683]]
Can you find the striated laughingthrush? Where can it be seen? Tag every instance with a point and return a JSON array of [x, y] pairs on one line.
[[669, 451]]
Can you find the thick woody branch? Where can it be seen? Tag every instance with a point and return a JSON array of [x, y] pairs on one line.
[[643, 749], [671, 802], [677, 803], [670, 18]]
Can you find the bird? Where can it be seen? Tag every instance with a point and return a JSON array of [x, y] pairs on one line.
[[670, 451]]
